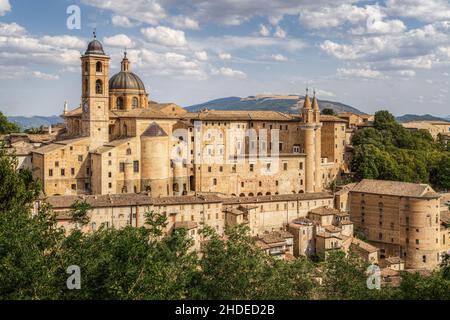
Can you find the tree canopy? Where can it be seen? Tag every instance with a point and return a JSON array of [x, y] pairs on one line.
[[6, 126], [390, 152]]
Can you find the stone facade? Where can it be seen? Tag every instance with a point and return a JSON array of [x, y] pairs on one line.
[[402, 219], [118, 141]]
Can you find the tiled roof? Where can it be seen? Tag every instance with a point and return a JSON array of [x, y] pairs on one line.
[[280, 197], [363, 245], [154, 130], [324, 211], [189, 225], [151, 113], [233, 115], [395, 188], [329, 118], [57, 145]]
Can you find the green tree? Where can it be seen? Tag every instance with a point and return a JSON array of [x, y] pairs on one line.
[[6, 126], [329, 112]]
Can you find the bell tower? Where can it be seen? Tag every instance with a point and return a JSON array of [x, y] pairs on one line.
[[311, 126], [95, 93]]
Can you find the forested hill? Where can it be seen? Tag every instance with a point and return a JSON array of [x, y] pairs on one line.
[[286, 104]]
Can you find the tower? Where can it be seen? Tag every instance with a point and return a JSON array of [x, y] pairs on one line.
[[312, 144], [95, 93]]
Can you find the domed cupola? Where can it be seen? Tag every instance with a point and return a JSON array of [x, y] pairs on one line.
[[127, 91], [125, 79], [95, 47]]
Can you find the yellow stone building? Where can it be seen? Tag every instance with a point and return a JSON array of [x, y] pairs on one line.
[[119, 141]]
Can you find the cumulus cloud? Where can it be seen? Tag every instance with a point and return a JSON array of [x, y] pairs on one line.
[[345, 73], [146, 11], [44, 76], [276, 57], [5, 7], [11, 29], [241, 42], [64, 42], [183, 22], [165, 36], [228, 72], [224, 56], [407, 73], [264, 31], [167, 64], [121, 21], [280, 33], [201, 55], [324, 93], [425, 10], [119, 40]]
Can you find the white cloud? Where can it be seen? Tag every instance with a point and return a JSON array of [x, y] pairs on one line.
[[119, 40], [276, 57], [264, 31], [359, 73], [280, 33], [407, 73], [146, 11], [425, 10], [11, 29], [5, 7], [121, 21], [183, 22], [224, 56], [44, 76], [324, 93], [201, 55], [228, 72], [237, 42], [166, 64], [64, 42], [165, 36]]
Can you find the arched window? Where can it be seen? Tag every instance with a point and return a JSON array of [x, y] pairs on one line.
[[268, 194], [98, 67], [135, 103], [98, 87], [86, 86], [86, 66], [119, 103], [242, 195]]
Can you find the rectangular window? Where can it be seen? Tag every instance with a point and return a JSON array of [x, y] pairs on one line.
[[50, 172], [63, 172], [80, 158], [72, 171], [285, 166], [252, 167], [136, 166], [57, 164], [74, 187], [122, 167]]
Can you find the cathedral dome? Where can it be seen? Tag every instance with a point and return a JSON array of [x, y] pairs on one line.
[[95, 47], [126, 80]]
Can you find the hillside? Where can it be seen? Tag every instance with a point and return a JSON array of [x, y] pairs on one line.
[[35, 121], [414, 117], [286, 104]]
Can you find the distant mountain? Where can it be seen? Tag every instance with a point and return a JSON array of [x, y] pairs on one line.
[[35, 121], [286, 104], [415, 117]]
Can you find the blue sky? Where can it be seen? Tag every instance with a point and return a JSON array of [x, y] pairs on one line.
[[392, 54]]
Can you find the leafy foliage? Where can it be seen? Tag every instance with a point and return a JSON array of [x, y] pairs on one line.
[[6, 126], [390, 152], [146, 263]]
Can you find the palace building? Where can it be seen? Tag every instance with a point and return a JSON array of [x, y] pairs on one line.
[[119, 141]]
